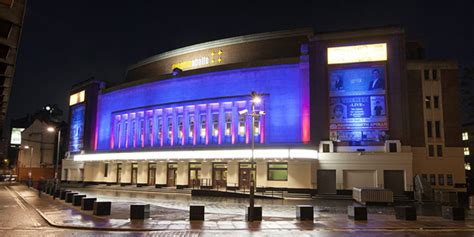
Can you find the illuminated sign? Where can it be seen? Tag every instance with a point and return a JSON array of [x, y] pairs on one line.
[[357, 53], [16, 136], [200, 61], [76, 134], [202, 154], [77, 98], [357, 104]]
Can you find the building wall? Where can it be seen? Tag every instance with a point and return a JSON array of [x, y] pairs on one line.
[[281, 83], [348, 164], [241, 49]]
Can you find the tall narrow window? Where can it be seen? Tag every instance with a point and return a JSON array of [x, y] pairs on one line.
[[118, 134], [160, 129], [440, 179], [170, 129], [434, 74], [142, 132], [432, 179], [191, 129], [215, 125], [466, 151], [428, 102], [228, 123], [242, 125], [256, 125], [180, 129], [134, 133], [426, 74], [436, 102], [150, 131], [437, 128], [203, 126], [125, 131], [439, 150], [429, 128], [449, 179], [430, 150]]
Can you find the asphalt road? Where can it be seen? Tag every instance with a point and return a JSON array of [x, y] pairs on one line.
[[18, 218]]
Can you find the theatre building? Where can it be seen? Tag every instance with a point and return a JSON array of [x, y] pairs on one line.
[[335, 111]]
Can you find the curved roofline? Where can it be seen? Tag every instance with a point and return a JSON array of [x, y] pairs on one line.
[[224, 42]]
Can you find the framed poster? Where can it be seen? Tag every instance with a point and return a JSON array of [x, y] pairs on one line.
[[357, 103]]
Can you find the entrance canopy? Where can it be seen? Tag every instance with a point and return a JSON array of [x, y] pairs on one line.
[[287, 153]]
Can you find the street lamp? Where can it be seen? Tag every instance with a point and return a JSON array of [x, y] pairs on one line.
[[31, 158], [256, 99], [52, 129]]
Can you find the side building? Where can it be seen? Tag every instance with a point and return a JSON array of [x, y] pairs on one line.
[[11, 24], [338, 110]]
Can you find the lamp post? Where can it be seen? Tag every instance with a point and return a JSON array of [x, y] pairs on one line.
[[256, 99], [52, 129]]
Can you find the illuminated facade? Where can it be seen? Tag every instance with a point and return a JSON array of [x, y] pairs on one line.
[[331, 104]]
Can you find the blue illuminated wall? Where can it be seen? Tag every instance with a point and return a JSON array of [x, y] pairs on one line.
[[283, 102], [76, 133], [357, 104]]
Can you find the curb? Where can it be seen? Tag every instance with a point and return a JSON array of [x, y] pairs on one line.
[[120, 229]]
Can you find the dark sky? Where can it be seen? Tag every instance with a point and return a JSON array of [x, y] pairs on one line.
[[65, 41]]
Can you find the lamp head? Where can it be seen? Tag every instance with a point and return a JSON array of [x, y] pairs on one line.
[[50, 129]]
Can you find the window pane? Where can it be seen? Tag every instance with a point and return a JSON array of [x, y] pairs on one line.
[[436, 101], [429, 128], [438, 128], [426, 74], [432, 179], [430, 150], [278, 175], [449, 179], [278, 166], [428, 102], [434, 74], [439, 150], [441, 179]]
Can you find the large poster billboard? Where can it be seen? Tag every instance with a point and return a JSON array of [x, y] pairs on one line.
[[357, 103], [76, 134]]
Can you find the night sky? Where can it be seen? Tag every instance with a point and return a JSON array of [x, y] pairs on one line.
[[65, 42]]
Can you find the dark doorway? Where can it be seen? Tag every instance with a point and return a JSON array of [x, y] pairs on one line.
[[171, 174], [326, 181], [134, 173], [151, 173], [395, 181], [246, 174], [219, 175], [194, 175]]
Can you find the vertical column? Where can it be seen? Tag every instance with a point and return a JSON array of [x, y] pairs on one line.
[[208, 124], [221, 123], [235, 123]]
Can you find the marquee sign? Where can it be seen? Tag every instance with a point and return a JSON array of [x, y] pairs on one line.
[[357, 53]]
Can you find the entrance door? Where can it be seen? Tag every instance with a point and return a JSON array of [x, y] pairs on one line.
[[246, 174], [219, 175], [395, 181], [151, 173], [326, 181], [194, 174], [119, 173], [171, 175], [134, 173]]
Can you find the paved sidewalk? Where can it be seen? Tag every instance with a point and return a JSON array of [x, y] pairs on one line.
[[61, 214]]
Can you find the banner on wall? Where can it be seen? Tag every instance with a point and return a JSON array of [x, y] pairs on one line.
[[357, 103], [76, 132]]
